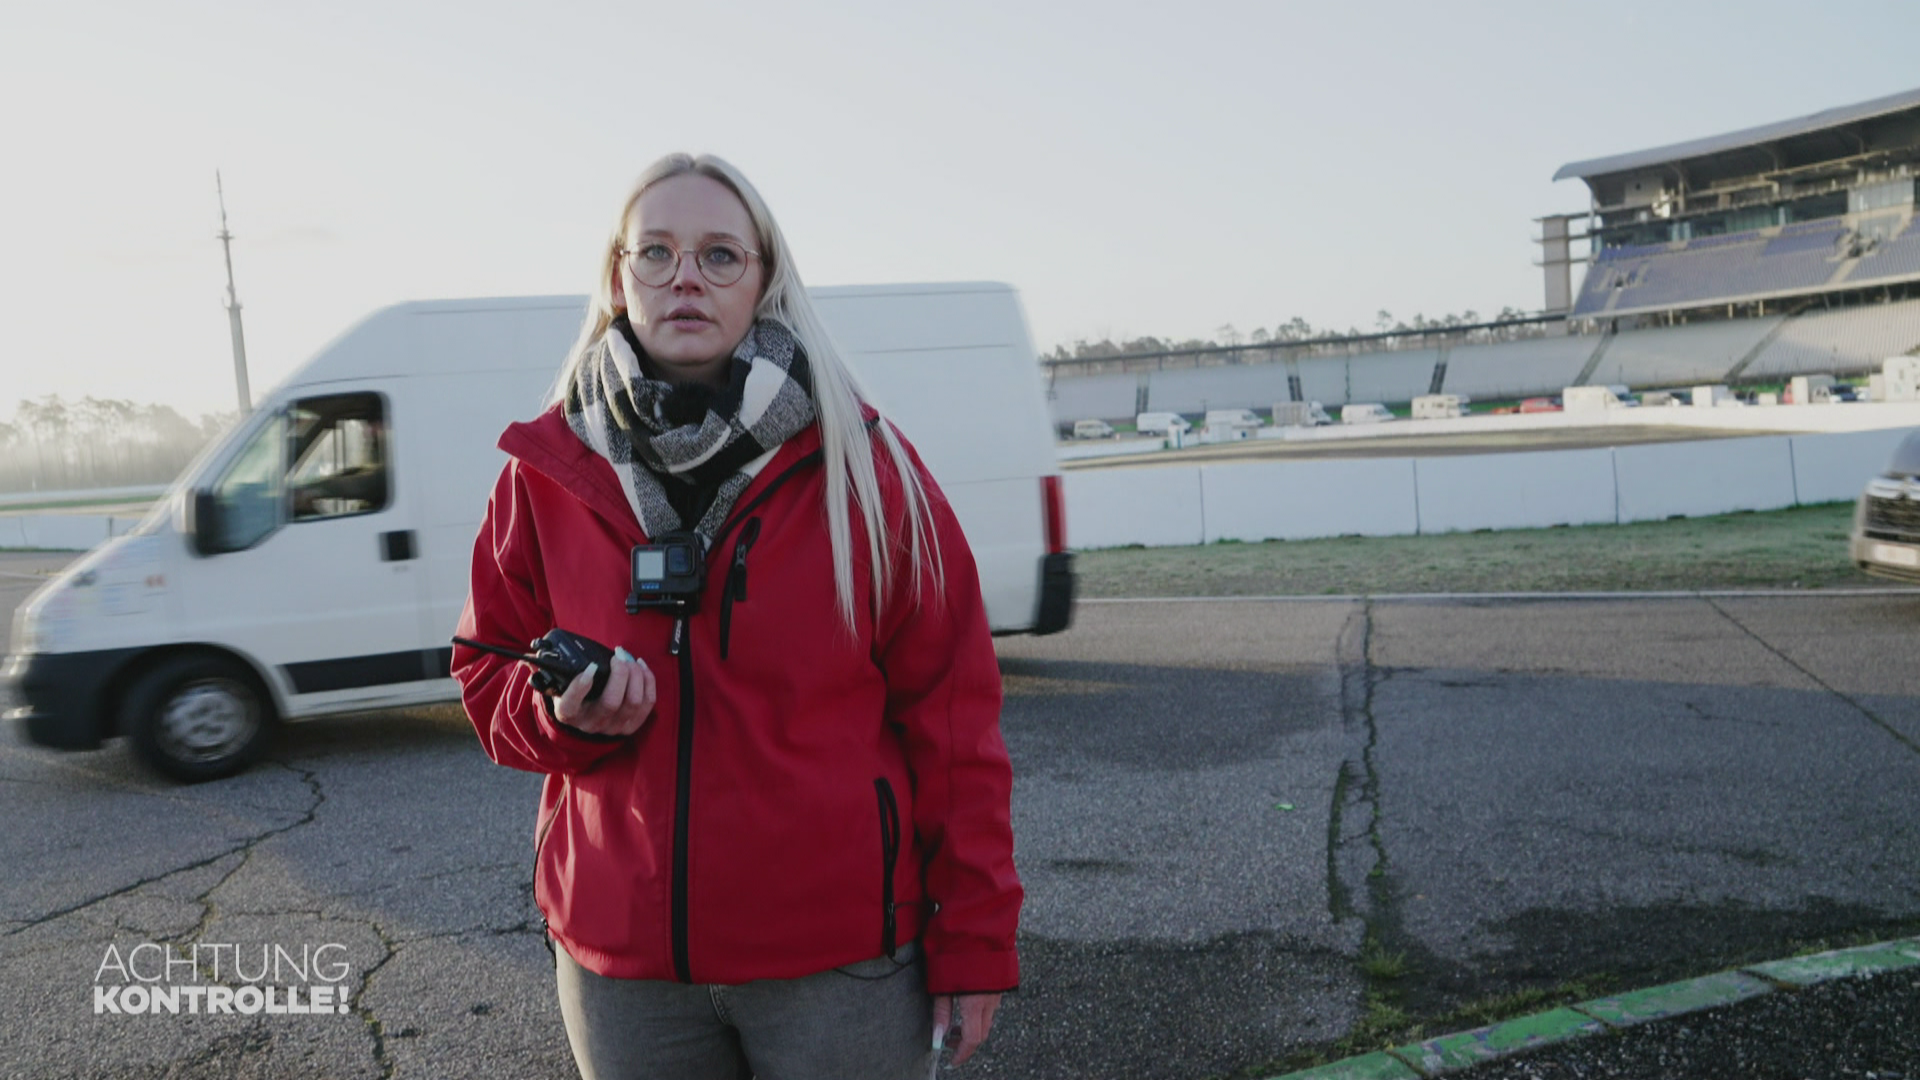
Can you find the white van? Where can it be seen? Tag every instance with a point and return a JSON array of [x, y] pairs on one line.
[[315, 560], [1439, 406], [1371, 412], [1092, 429], [1300, 414], [1161, 423]]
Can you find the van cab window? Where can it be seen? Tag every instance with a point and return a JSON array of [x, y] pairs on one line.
[[338, 446], [251, 495]]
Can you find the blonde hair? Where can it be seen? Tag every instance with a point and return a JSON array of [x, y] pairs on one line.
[[838, 397]]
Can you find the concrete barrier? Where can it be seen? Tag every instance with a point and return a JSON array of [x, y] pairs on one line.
[[1515, 491], [1696, 479], [1827, 468], [1158, 507], [1298, 500], [62, 532], [1307, 499]]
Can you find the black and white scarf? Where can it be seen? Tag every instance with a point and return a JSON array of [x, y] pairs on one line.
[[645, 429]]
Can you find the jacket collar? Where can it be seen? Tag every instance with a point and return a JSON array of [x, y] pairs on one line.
[[549, 446]]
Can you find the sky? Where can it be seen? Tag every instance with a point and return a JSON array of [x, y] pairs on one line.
[[1132, 168]]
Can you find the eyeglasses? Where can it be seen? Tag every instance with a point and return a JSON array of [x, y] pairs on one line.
[[656, 262]]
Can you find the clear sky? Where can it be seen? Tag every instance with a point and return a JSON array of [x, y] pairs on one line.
[[1133, 168]]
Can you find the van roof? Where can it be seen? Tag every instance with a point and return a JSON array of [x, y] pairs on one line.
[[531, 332]]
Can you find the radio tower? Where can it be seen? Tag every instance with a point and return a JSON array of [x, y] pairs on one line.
[[233, 306]]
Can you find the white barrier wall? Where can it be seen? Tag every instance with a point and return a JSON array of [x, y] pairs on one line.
[[1516, 491], [1308, 499], [1158, 507], [1827, 468], [1297, 500], [1694, 479], [61, 532]]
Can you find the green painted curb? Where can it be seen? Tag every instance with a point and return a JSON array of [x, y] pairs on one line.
[[1673, 999], [1379, 1065], [1842, 963], [1450, 1052]]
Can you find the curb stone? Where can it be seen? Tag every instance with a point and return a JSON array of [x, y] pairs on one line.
[[1463, 1050]]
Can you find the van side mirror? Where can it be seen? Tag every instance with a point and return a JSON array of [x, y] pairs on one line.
[[203, 523]]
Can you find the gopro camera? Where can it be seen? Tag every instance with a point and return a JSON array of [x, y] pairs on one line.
[[668, 574]]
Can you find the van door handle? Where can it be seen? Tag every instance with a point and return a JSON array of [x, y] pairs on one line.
[[396, 546]]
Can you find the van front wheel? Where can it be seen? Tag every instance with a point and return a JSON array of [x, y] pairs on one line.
[[197, 718]]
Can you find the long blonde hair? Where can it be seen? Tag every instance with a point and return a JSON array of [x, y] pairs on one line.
[[838, 398]]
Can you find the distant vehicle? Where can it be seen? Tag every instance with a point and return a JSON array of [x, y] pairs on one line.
[[1229, 425], [1092, 429], [1886, 520], [1439, 406], [1161, 423], [1540, 404], [1221, 418], [1808, 390], [1580, 399], [1300, 414], [1843, 392], [315, 559], [1900, 378], [1708, 397], [1370, 412]]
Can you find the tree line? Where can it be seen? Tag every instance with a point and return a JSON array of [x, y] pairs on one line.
[[1299, 329], [57, 445]]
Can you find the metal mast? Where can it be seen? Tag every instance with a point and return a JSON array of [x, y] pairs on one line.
[[233, 306]]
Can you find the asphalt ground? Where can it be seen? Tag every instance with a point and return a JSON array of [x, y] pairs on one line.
[[1216, 805]]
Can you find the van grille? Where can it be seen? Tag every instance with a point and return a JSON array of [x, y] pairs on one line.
[[1893, 519]]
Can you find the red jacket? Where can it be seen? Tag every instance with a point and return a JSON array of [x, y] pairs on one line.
[[843, 791]]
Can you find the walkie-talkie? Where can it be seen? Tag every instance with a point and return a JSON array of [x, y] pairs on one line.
[[557, 659]]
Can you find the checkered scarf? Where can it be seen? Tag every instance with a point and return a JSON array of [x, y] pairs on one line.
[[623, 415]]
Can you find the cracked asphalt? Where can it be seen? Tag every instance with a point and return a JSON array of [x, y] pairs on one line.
[[1215, 804]]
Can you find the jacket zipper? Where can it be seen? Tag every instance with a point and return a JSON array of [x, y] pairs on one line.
[[682, 647], [889, 856], [736, 586]]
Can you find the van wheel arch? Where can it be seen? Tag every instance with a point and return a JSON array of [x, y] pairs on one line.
[[194, 713]]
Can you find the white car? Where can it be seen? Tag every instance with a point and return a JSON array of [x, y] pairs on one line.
[[1886, 520]]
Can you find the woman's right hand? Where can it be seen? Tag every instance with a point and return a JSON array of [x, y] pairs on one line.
[[622, 707]]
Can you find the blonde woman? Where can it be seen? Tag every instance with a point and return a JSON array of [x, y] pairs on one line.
[[776, 843]]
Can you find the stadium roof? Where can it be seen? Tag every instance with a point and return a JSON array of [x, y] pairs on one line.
[[1737, 140]]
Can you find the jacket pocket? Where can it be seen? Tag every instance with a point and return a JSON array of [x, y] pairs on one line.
[[736, 585], [889, 857]]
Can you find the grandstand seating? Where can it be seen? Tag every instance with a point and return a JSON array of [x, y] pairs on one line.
[[1710, 269], [1680, 355], [1516, 369], [1849, 341], [1803, 258], [1093, 397], [1895, 257]]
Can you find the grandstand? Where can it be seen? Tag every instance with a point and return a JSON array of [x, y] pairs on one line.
[[1785, 216], [1787, 249]]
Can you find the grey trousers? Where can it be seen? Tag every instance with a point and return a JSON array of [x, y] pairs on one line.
[[867, 1021]]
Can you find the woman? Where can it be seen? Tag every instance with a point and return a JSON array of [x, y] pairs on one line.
[[777, 842]]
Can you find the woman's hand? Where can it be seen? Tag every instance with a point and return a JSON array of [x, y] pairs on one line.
[[974, 1021], [622, 707]]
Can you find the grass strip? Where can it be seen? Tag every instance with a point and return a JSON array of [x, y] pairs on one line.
[[1799, 548]]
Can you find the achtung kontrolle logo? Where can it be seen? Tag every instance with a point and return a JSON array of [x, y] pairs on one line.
[[155, 978]]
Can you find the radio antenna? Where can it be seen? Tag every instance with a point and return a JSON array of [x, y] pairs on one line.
[[233, 305]]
